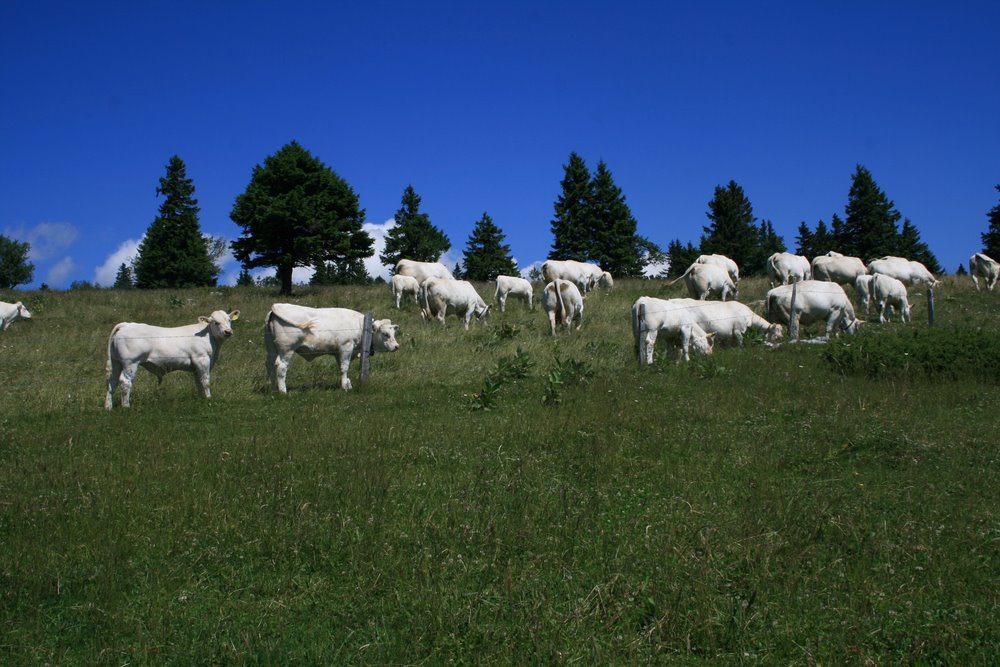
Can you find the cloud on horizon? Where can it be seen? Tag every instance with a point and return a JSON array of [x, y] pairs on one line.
[[107, 272], [47, 239], [59, 274]]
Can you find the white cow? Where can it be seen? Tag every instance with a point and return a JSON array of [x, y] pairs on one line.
[[291, 329], [403, 285], [815, 300], [888, 293], [422, 270], [193, 348], [863, 289], [723, 261], [562, 303], [730, 320], [678, 322], [705, 280], [984, 266], [507, 285], [586, 276], [784, 268], [438, 294], [837, 268], [12, 312], [907, 271]]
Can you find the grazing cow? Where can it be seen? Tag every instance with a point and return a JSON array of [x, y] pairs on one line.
[[422, 270], [730, 320], [193, 348], [676, 319], [907, 271], [12, 312], [705, 280], [815, 301], [836, 268], [784, 268], [290, 329], [863, 290], [507, 285], [984, 266], [403, 285], [585, 276], [438, 294], [888, 293], [721, 260], [562, 302]]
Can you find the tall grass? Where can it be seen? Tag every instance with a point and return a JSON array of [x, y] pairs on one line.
[[756, 506]]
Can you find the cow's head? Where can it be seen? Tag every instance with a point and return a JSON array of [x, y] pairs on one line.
[[775, 332], [22, 312], [482, 311], [384, 336], [220, 324], [606, 280], [702, 342]]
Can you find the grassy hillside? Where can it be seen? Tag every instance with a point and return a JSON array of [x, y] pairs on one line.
[[499, 495]]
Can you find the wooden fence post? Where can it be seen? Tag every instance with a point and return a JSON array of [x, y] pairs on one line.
[[366, 346], [793, 324], [930, 306]]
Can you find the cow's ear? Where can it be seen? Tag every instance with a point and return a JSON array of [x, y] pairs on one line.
[[235, 315], [202, 318]]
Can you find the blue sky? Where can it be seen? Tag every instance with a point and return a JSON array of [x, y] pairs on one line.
[[478, 107]]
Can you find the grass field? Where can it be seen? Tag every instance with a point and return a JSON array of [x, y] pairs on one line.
[[501, 496]]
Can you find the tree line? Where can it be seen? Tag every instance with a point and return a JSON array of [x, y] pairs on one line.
[[297, 212]]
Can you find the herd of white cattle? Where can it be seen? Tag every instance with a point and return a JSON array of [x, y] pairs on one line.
[[816, 288]]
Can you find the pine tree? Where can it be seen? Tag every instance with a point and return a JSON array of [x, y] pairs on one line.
[[572, 226], [804, 244], [823, 239], [413, 236], [15, 269], [173, 252], [869, 230], [486, 255], [680, 257], [733, 231], [615, 245], [768, 243], [909, 245], [297, 212], [245, 279], [961, 270], [991, 237], [123, 279]]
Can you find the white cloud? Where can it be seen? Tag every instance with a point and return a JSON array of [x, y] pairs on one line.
[[656, 269], [47, 239], [373, 265], [526, 271], [106, 272], [58, 274]]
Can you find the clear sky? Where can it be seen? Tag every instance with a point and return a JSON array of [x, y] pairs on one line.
[[478, 106]]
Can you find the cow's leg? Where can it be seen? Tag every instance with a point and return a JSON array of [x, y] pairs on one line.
[[502, 300], [468, 317], [649, 345], [398, 296], [202, 380], [279, 367], [552, 321], [990, 283], [114, 371], [579, 319], [883, 311], [530, 307], [976, 281], [344, 355], [126, 378]]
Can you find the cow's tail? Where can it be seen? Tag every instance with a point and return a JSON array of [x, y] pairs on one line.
[[562, 304], [682, 275], [636, 340], [111, 338]]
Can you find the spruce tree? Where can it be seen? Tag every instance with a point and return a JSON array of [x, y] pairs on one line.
[[768, 243], [486, 255], [15, 269], [296, 211], [869, 230], [173, 252], [804, 241], [991, 237], [615, 245], [680, 257], [909, 245], [733, 231], [123, 279], [245, 279], [823, 240], [413, 236], [573, 225]]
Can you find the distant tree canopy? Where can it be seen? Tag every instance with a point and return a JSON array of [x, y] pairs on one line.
[[869, 230], [413, 236], [297, 212], [174, 252], [486, 256], [991, 237], [680, 257], [15, 269], [123, 279], [592, 222], [345, 272]]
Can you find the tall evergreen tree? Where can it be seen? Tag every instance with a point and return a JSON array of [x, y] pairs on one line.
[[909, 245], [733, 231], [413, 236], [173, 252], [297, 212], [15, 269], [823, 239], [680, 257], [245, 279], [486, 255], [869, 229], [804, 241], [768, 243], [573, 225], [123, 279], [991, 237], [614, 245]]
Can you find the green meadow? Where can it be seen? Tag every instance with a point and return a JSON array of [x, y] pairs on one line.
[[500, 495]]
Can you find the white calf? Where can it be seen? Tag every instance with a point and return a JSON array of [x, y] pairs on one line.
[[438, 295], [403, 285], [562, 302], [676, 320], [863, 290], [507, 285], [721, 260], [889, 293]]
